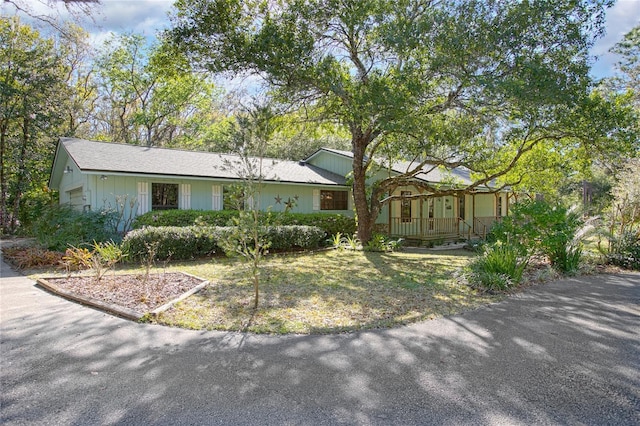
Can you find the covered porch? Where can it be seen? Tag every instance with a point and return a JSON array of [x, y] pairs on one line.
[[429, 218]]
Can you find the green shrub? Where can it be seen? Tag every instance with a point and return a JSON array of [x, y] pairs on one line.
[[60, 227], [185, 218], [331, 224], [380, 243], [499, 268], [190, 242], [537, 227], [173, 242], [625, 251], [287, 237]]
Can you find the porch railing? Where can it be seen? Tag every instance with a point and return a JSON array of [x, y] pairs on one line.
[[482, 225], [431, 228], [425, 228]]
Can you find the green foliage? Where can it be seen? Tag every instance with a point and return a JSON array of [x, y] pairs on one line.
[[499, 268], [60, 226], [330, 223], [337, 240], [105, 255], [288, 237], [537, 227], [380, 243], [153, 90], [184, 218], [179, 243], [76, 258], [34, 204], [482, 82], [33, 101], [625, 251], [190, 242]]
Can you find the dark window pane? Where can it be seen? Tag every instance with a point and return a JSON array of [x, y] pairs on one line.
[[164, 196], [334, 200]]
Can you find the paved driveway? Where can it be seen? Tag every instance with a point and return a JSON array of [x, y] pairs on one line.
[[563, 353]]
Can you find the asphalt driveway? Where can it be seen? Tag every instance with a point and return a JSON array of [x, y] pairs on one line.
[[562, 353]]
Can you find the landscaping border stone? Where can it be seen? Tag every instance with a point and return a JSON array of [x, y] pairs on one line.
[[114, 309]]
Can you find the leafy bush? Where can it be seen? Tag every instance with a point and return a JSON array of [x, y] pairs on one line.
[[105, 255], [184, 218], [537, 227], [499, 268], [60, 227], [331, 224], [380, 243], [287, 237], [75, 259], [190, 242], [625, 251], [173, 242]]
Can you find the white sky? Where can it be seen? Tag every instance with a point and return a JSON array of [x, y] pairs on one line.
[[147, 16]]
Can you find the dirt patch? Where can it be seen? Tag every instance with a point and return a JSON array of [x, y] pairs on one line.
[[134, 292]]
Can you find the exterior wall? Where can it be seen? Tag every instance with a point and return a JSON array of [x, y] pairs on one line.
[[335, 163], [484, 205], [70, 184], [106, 191]]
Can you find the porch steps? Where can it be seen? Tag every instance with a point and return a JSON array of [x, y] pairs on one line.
[[448, 246]]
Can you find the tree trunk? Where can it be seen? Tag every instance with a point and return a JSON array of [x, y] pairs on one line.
[[364, 218], [4, 187]]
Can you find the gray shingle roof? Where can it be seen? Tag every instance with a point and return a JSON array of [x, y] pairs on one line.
[[458, 175], [91, 156]]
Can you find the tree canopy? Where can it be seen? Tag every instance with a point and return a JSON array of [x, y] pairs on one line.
[[480, 84], [33, 91]]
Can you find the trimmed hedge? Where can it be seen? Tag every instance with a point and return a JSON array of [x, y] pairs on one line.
[[330, 223], [184, 218], [190, 242]]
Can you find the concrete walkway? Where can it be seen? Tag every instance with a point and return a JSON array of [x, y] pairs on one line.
[[563, 353]]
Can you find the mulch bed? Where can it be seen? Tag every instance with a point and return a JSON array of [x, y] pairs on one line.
[[137, 293]]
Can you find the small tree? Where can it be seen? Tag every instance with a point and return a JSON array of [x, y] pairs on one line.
[[248, 238]]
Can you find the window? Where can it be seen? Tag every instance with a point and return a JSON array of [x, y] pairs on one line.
[[498, 205], [334, 200], [405, 207], [461, 207], [164, 196]]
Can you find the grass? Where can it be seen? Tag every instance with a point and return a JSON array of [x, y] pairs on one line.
[[326, 292]]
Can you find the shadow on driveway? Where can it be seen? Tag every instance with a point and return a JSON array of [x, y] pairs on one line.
[[562, 353]]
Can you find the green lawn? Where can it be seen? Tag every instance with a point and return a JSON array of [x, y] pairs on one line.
[[326, 292]]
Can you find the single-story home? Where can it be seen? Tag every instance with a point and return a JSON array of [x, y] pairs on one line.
[[92, 175]]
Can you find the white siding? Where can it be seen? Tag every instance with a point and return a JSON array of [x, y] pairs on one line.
[[185, 196], [316, 199], [216, 197], [143, 197]]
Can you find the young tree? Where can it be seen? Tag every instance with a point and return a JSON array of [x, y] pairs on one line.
[[32, 105], [478, 84], [247, 238]]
